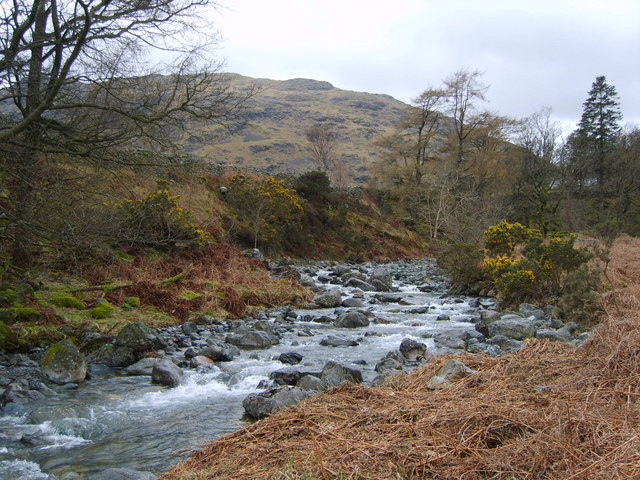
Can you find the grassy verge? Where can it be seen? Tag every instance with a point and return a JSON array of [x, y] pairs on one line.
[[546, 411]]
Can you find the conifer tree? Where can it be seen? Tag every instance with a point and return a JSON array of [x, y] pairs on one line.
[[599, 128]]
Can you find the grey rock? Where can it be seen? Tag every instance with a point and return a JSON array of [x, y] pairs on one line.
[[352, 302], [506, 344], [388, 297], [388, 366], [529, 310], [453, 339], [20, 393], [361, 284], [561, 335], [443, 317], [114, 356], [334, 374], [413, 350], [450, 371], [138, 337], [167, 373], [285, 376], [199, 361], [352, 320], [261, 405], [514, 327], [190, 328], [310, 383], [63, 363], [337, 341], [330, 299], [122, 474], [292, 358], [251, 340], [143, 366], [485, 348]]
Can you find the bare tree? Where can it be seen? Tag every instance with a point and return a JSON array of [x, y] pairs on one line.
[[322, 142], [76, 79], [464, 91]]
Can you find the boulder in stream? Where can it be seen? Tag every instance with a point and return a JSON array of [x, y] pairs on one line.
[[330, 299], [251, 340], [413, 350], [143, 366], [352, 320], [166, 373], [63, 363]]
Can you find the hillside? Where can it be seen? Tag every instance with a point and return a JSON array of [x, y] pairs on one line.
[[278, 115]]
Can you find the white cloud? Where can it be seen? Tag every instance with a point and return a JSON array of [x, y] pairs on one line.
[[534, 54]]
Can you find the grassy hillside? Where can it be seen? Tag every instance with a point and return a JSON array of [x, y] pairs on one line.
[[278, 115]]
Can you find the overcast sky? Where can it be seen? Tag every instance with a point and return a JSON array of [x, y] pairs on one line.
[[533, 54]]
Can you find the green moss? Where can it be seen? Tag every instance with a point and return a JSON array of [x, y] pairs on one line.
[[18, 314], [133, 301], [102, 310], [8, 296], [189, 295], [66, 301], [8, 340]]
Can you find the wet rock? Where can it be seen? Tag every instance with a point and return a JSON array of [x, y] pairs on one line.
[[166, 373], [514, 327], [138, 337], [292, 358], [388, 297], [285, 376], [329, 299], [412, 350], [251, 340], [122, 474], [63, 363], [352, 320], [19, 392], [361, 284], [443, 317], [143, 366], [114, 356], [200, 360], [190, 329], [337, 341], [334, 374], [352, 302], [382, 280], [261, 405]]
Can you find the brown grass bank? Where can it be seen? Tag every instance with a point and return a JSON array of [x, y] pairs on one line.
[[549, 411]]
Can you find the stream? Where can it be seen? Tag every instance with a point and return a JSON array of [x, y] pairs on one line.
[[112, 420]]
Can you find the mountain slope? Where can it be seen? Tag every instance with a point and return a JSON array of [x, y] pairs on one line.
[[278, 116]]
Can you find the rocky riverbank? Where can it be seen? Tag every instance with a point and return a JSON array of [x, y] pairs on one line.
[[398, 311]]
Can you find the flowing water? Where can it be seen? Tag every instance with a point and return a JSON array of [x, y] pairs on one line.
[[119, 421]]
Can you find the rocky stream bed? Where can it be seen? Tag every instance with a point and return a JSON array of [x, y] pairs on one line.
[[146, 398]]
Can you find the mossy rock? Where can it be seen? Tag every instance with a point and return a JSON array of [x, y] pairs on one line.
[[8, 340], [63, 363], [18, 314], [66, 301], [189, 295], [103, 310]]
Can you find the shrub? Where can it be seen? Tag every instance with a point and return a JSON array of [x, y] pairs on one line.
[[158, 221], [463, 263], [525, 266]]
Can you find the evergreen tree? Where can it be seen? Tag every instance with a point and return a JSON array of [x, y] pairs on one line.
[[599, 128]]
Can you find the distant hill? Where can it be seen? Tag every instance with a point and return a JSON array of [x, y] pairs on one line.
[[274, 139]]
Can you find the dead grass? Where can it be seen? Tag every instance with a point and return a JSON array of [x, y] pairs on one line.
[[216, 278], [549, 411]]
